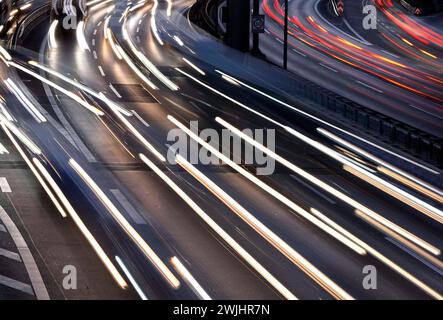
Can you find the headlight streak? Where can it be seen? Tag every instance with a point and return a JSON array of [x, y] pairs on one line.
[[336, 193], [221, 233], [5, 54], [59, 88], [121, 54], [169, 8], [138, 6], [110, 38], [25, 6], [316, 181], [189, 278], [131, 279], [146, 62], [99, 5], [105, 27], [418, 283], [267, 188], [436, 262], [77, 220], [5, 112], [126, 226], [25, 101], [316, 119], [372, 179], [401, 195], [297, 259], [412, 184], [34, 171], [131, 128]]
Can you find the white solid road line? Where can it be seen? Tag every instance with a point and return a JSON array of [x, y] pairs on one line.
[[4, 185], [28, 260]]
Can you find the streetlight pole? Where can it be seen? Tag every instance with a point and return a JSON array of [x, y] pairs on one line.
[[285, 46]]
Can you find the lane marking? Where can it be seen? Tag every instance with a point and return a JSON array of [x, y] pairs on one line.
[[10, 255], [312, 189], [2, 228], [413, 254], [16, 285], [101, 71], [133, 213], [27, 258], [298, 52], [115, 91], [3, 150], [328, 67], [369, 86], [140, 118], [4, 185]]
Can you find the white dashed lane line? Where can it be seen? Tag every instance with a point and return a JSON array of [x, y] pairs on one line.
[[133, 213]]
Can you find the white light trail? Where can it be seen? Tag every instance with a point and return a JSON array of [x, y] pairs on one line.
[[189, 278], [61, 89], [131, 279], [81, 40], [324, 281], [336, 193]]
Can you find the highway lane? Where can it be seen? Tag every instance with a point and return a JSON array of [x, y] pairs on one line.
[[341, 56], [157, 131]]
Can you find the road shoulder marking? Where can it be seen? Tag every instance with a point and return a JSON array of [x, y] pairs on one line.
[[28, 260]]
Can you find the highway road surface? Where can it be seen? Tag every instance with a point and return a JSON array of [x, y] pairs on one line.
[[91, 176]]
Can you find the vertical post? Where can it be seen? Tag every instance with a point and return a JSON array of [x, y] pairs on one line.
[[285, 49]]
